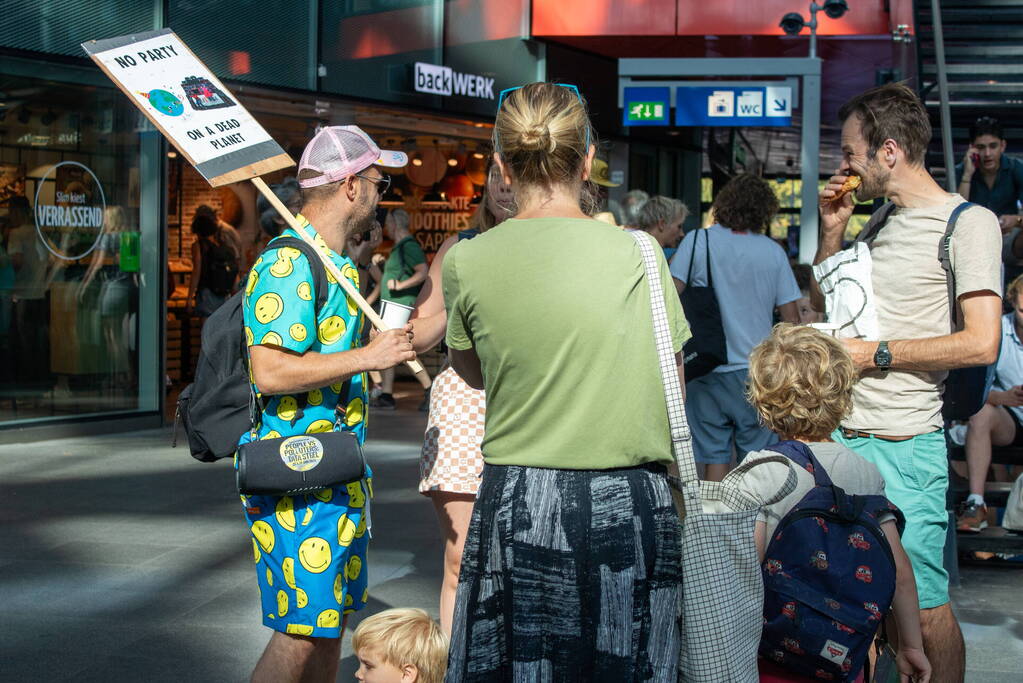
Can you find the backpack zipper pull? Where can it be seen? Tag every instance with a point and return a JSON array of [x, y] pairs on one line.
[[177, 421]]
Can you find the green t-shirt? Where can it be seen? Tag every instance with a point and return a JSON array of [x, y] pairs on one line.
[[558, 310], [400, 264]]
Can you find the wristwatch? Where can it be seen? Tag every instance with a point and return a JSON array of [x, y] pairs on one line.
[[882, 357]]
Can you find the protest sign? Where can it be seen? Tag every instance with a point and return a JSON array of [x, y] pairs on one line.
[[197, 113], [182, 97]]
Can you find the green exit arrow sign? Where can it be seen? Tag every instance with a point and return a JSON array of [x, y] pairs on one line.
[[646, 106]]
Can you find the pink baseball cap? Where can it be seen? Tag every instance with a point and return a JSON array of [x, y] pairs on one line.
[[337, 152]]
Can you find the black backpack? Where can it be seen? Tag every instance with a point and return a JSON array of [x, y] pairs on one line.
[[219, 406], [966, 389], [707, 348]]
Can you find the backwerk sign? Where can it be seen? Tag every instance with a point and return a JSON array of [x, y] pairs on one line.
[[189, 105], [443, 80]]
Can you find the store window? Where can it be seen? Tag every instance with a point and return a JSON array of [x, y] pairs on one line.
[[75, 326]]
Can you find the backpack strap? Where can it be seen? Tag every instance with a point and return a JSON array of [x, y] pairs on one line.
[[319, 272], [886, 212], [801, 454], [945, 257]]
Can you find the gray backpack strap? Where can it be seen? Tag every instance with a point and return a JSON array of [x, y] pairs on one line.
[[945, 257], [886, 212]]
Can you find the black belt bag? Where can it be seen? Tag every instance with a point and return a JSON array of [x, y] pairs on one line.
[[299, 464]]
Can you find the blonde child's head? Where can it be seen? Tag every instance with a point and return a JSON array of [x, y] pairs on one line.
[[800, 382], [401, 645]]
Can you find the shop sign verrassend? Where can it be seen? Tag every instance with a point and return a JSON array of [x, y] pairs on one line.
[[71, 223]]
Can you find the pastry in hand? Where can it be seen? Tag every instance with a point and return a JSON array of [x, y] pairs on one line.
[[850, 184]]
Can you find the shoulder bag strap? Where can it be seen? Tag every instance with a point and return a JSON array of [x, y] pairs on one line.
[[681, 438], [886, 213], [706, 246], [692, 257], [945, 257]]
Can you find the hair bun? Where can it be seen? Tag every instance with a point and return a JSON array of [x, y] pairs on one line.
[[538, 137]]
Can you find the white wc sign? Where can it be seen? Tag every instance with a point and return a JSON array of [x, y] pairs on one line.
[[182, 97]]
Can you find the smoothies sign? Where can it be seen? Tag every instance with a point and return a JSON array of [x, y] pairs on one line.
[[182, 97]]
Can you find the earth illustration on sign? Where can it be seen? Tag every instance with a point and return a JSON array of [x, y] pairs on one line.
[[164, 102]]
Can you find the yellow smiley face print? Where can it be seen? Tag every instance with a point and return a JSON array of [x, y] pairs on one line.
[[345, 531], [328, 618], [299, 629], [319, 426], [339, 588], [331, 330], [264, 535], [301, 598], [249, 339], [315, 397], [272, 434], [297, 332], [255, 551], [287, 408], [269, 577], [360, 530], [356, 496], [250, 285], [354, 568], [314, 554], [288, 567], [268, 307], [285, 513], [282, 603], [324, 495], [355, 411], [305, 291], [308, 516], [272, 338], [336, 387], [283, 266]]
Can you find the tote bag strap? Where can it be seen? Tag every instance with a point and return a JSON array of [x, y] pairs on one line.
[[681, 437]]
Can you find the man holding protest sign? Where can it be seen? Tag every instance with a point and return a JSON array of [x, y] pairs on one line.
[[309, 368]]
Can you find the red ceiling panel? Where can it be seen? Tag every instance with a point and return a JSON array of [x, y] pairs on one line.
[[603, 17]]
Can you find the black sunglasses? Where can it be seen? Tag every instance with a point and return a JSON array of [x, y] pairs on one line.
[[382, 183]]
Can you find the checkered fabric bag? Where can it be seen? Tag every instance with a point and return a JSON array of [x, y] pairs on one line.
[[722, 588]]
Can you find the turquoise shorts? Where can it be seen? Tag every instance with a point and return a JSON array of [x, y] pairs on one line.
[[310, 554], [915, 473]]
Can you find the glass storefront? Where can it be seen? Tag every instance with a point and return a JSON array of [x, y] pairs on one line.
[[79, 252]]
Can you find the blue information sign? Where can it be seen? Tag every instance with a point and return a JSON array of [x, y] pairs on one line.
[[733, 106], [647, 107]]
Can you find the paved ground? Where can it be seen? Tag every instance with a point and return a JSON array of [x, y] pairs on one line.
[[124, 560]]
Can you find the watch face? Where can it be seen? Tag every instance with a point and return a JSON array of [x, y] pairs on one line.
[[882, 357]]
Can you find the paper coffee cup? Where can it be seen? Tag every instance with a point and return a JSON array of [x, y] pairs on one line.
[[830, 329], [394, 315]]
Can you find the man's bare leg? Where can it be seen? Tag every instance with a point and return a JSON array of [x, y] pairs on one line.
[[322, 665], [943, 643], [284, 658], [715, 471]]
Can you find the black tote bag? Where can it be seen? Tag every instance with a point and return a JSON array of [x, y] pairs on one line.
[[707, 349]]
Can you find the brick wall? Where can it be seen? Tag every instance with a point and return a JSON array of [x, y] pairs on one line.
[[194, 192]]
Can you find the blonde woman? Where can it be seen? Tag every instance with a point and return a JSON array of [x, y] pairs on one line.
[[451, 460], [572, 563]]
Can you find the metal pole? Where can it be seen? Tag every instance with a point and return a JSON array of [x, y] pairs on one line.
[[810, 165], [946, 112]]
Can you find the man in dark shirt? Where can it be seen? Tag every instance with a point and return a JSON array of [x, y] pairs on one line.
[[989, 177]]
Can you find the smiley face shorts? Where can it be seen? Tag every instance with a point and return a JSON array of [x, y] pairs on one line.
[[310, 555]]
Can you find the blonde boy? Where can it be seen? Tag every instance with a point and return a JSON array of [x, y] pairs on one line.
[[400, 645], [800, 383]]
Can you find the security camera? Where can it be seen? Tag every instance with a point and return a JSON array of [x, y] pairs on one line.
[[835, 8], [792, 23]]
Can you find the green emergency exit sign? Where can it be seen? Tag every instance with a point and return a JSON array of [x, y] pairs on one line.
[[646, 111]]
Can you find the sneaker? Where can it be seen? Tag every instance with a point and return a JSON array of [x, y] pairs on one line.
[[385, 401], [374, 394], [973, 518], [424, 407]]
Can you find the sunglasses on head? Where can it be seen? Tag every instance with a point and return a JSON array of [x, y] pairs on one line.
[[507, 91]]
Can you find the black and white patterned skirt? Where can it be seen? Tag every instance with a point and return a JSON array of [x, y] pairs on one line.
[[569, 575]]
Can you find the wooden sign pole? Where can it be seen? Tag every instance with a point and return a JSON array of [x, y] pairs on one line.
[[349, 288]]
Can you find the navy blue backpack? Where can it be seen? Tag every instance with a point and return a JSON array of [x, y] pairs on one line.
[[829, 577]]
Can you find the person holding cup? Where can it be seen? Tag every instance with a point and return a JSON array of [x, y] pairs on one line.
[[404, 273]]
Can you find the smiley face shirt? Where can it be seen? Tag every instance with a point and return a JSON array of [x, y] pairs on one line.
[[279, 309]]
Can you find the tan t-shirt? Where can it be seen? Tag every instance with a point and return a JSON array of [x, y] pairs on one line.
[[912, 303]]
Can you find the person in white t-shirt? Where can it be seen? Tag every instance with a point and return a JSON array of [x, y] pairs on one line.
[[896, 420], [751, 277], [1000, 421]]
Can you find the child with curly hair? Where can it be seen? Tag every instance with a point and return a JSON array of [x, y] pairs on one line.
[[800, 383]]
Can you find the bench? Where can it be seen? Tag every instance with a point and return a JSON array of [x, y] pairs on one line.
[[996, 494]]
